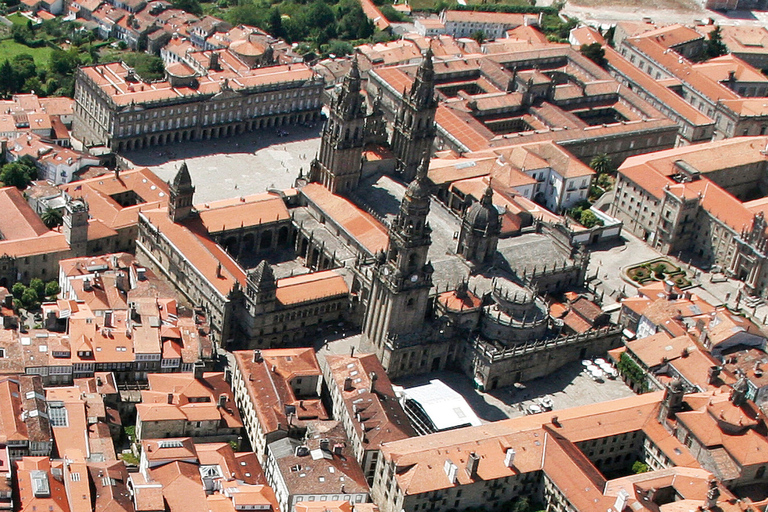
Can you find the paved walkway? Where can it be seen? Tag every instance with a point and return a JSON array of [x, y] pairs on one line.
[[246, 164]]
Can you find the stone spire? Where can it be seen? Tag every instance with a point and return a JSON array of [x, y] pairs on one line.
[[423, 91], [181, 194]]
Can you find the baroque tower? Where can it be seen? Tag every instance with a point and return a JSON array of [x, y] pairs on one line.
[[338, 164], [75, 227], [414, 129], [181, 195], [480, 228], [403, 276]]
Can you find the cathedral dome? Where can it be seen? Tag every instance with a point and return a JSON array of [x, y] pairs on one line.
[[421, 186], [483, 216]]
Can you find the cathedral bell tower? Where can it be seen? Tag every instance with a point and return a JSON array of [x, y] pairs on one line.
[[338, 164], [403, 276], [181, 194], [414, 129]]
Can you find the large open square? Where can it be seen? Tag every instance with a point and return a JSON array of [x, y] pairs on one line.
[[245, 164]]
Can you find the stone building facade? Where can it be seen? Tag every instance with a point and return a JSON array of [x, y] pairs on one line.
[[704, 201], [338, 164], [219, 97]]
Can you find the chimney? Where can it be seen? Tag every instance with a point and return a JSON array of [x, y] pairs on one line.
[[668, 287], [473, 461], [87, 286], [198, 371], [170, 398], [337, 449], [352, 351], [107, 319], [509, 457], [117, 173], [325, 445], [257, 356], [621, 500], [348, 384], [222, 401], [713, 374], [214, 63], [218, 270], [373, 378]]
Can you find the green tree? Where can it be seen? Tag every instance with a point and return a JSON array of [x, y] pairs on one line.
[[319, 14], [18, 290], [29, 298], [602, 164], [639, 467], [52, 217], [24, 67], [275, 23], [714, 46], [148, 67], [64, 63], [192, 6], [522, 504], [588, 219], [340, 48], [7, 78], [52, 289], [478, 36], [38, 285], [594, 52], [18, 174]]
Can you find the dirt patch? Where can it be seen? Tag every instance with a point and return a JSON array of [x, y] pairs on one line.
[[676, 5]]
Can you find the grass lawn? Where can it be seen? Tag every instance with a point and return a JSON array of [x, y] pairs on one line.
[[10, 48], [18, 19]]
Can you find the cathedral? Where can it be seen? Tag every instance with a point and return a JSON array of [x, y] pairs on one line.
[[489, 306], [429, 288]]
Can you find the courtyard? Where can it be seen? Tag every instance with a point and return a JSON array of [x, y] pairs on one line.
[[250, 163]]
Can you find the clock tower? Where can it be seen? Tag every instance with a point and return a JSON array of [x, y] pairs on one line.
[[402, 277]]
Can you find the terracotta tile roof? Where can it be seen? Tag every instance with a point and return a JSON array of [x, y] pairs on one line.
[[455, 303], [359, 224], [110, 481], [249, 211], [243, 466], [651, 171], [683, 69], [210, 259], [485, 17], [40, 468], [587, 35], [19, 220], [192, 399], [672, 35], [72, 437], [182, 487], [420, 461], [720, 68], [656, 89], [51, 243], [382, 418], [311, 287], [374, 14], [527, 33], [111, 79], [269, 385], [98, 193]]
